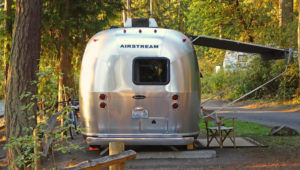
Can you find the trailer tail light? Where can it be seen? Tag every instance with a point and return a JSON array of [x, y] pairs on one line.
[[155, 31], [183, 40], [124, 31], [175, 97], [94, 148], [102, 96], [140, 31], [175, 106], [102, 105]]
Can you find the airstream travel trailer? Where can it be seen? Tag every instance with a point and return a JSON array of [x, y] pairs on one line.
[[140, 85]]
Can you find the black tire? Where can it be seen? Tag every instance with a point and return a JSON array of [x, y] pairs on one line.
[[72, 132], [71, 128], [76, 119]]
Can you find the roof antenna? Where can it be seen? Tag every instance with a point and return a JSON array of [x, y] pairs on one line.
[[151, 9], [128, 9], [124, 15]]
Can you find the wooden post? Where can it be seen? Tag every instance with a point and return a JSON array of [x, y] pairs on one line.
[[116, 148], [103, 162]]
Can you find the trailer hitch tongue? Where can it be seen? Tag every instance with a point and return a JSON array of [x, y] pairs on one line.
[[139, 97]]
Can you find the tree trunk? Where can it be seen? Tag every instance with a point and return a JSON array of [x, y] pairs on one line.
[[242, 21], [22, 71], [66, 67], [179, 19], [298, 90], [66, 76], [7, 37], [285, 12]]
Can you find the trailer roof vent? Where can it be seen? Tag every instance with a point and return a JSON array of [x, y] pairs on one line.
[[141, 22]]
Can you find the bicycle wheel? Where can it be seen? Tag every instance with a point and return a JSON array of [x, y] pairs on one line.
[[76, 123], [71, 128]]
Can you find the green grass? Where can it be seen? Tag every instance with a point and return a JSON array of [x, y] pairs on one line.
[[260, 133], [244, 129]]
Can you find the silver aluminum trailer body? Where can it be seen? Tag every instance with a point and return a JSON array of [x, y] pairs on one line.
[[141, 73]]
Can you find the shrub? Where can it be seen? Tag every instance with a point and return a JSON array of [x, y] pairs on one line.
[[257, 73]]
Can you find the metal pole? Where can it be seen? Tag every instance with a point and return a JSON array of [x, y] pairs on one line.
[[151, 9], [128, 9], [124, 15]]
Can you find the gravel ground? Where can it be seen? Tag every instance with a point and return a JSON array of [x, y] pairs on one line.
[[291, 120]]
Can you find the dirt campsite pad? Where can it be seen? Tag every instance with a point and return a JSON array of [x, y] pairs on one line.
[[279, 157], [280, 153]]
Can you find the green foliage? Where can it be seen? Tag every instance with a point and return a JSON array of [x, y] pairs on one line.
[[257, 73], [254, 21], [26, 144], [81, 20], [168, 14]]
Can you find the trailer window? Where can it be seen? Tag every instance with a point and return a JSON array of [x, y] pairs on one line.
[[151, 71]]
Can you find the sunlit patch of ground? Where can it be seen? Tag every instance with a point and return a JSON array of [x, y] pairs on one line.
[[273, 165], [274, 107], [3, 164]]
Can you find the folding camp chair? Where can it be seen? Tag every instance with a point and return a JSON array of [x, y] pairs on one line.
[[216, 129]]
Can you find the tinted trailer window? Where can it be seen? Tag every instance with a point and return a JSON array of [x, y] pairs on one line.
[[151, 71]]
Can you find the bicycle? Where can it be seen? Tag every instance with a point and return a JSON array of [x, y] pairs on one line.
[[73, 121], [73, 116]]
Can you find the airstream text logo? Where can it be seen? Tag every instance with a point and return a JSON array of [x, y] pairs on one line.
[[138, 46]]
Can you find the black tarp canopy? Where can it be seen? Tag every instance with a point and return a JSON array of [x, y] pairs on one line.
[[267, 53]]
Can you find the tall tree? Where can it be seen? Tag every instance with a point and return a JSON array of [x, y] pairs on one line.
[[285, 12], [68, 26], [65, 53], [22, 70]]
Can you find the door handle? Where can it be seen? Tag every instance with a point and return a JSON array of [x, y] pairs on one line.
[[139, 97]]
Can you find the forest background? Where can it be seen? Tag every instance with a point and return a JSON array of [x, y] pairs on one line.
[[68, 25]]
